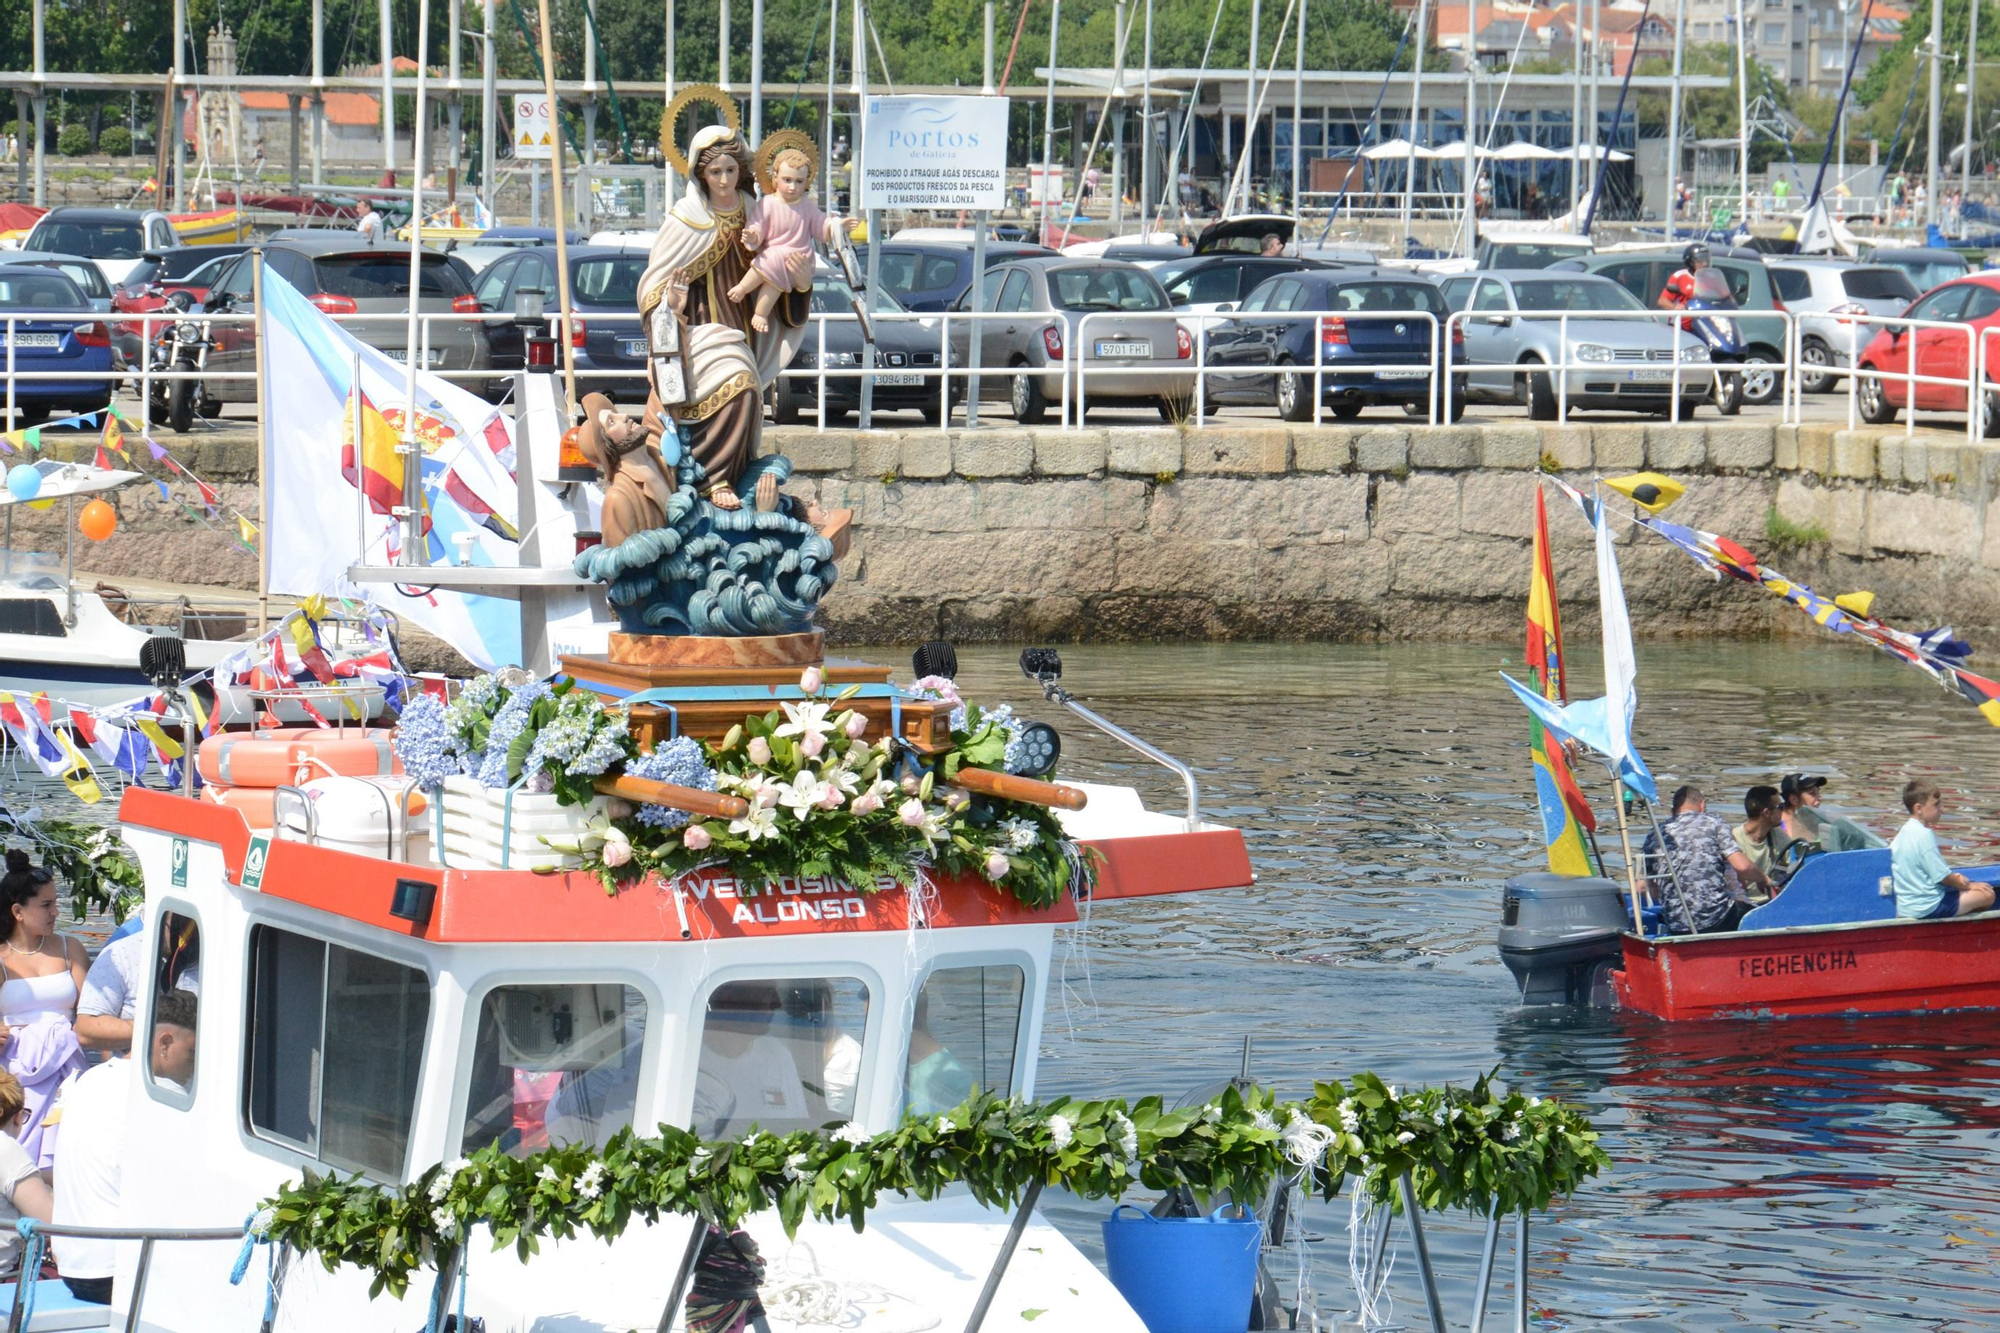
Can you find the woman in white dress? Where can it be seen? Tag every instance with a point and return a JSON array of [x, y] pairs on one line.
[[41, 976]]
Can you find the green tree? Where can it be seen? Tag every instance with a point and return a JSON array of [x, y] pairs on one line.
[[73, 140]]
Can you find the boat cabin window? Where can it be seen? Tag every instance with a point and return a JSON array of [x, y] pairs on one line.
[[336, 1045], [171, 1025], [963, 1036], [554, 1065], [779, 1054], [30, 615]]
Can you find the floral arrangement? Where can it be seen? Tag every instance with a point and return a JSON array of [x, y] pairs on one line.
[[1476, 1147], [823, 800], [560, 736], [90, 859]]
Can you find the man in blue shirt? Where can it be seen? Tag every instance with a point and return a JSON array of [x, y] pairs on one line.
[[1925, 885]]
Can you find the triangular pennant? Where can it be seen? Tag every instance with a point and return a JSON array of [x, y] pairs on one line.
[[165, 494], [103, 460], [247, 529], [34, 437], [159, 450]]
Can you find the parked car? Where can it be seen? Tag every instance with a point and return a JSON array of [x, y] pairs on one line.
[[603, 281], [1243, 234], [904, 351], [1363, 325], [1516, 320], [51, 344], [191, 269], [1824, 294], [83, 272], [1146, 256], [117, 239], [930, 275], [1973, 301], [1132, 327], [1644, 273], [1528, 249], [1217, 283], [368, 285], [1927, 267]]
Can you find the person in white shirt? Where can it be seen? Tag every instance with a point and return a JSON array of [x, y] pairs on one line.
[[104, 1010], [23, 1192], [746, 1075], [370, 225], [90, 1150]]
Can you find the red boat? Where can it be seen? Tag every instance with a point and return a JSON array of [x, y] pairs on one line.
[[1829, 944]]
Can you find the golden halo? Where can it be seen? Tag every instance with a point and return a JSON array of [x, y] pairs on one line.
[[776, 142], [685, 98]]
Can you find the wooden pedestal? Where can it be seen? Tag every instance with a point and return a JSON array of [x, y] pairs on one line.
[[712, 684]]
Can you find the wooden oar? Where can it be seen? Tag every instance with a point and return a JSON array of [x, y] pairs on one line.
[[1029, 791], [708, 804]]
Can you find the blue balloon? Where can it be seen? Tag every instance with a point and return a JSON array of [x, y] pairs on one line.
[[23, 482]]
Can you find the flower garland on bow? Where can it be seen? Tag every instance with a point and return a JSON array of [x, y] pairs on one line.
[[1476, 1147]]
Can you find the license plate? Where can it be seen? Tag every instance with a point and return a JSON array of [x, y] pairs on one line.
[[1132, 350], [431, 357], [1650, 376], [36, 339], [899, 381], [632, 347], [1402, 374]]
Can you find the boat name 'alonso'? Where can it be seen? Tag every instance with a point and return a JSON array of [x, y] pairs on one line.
[[795, 898], [1793, 964]]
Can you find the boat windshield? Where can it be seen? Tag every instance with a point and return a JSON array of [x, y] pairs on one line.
[[554, 1065], [780, 1055], [967, 1024]]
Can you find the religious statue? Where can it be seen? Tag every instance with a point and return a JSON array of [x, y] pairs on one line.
[[681, 551]]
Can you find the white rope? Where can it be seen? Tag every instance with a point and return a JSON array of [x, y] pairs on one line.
[[1076, 942], [1365, 1224]]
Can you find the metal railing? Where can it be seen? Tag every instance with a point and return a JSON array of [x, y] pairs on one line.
[[147, 1238], [1910, 378]]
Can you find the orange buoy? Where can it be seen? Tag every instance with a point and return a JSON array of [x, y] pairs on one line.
[[261, 760]]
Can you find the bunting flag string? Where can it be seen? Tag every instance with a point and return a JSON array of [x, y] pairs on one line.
[[1938, 653]]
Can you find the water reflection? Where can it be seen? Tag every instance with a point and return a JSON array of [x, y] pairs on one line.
[[1823, 1173]]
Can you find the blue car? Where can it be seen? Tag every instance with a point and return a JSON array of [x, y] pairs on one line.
[[58, 344], [1246, 358], [603, 280]]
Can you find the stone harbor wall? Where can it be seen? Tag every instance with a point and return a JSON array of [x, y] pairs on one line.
[[1362, 532]]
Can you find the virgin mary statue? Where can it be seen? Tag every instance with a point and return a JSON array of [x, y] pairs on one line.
[[709, 370]]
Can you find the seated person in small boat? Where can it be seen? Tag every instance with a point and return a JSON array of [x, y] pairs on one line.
[[1925, 885], [23, 1192], [1696, 869], [747, 1074], [1761, 838], [936, 1080], [91, 1147], [1800, 793]]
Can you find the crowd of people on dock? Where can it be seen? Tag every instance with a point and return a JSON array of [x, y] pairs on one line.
[[1707, 874], [62, 1117]]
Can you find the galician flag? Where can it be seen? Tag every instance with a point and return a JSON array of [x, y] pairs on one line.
[[1565, 813]]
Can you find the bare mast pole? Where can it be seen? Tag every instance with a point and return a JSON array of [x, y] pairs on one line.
[[556, 209], [1673, 115], [1416, 109], [412, 452]]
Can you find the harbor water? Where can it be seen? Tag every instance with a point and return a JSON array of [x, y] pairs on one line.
[[1802, 1173]]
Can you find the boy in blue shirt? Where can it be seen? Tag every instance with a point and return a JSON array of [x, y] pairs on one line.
[[1925, 885]]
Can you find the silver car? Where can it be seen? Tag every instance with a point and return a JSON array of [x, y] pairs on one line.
[[1820, 292], [1624, 364], [1132, 335]]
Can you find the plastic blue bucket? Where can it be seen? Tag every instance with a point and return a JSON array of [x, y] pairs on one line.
[[1185, 1274]]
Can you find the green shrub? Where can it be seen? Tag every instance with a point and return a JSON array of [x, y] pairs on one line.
[[73, 141], [115, 141], [1784, 535]]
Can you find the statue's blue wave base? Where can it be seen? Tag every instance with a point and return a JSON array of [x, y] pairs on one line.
[[717, 571]]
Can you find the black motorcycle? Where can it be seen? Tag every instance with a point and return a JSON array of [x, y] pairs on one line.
[[181, 348]]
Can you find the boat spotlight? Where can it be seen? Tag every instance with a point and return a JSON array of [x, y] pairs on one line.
[[936, 658], [163, 661], [1040, 748], [1041, 664]]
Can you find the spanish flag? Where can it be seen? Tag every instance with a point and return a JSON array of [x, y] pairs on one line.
[[1565, 813], [379, 473]]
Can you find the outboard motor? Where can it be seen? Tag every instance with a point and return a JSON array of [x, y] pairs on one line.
[[1559, 937]]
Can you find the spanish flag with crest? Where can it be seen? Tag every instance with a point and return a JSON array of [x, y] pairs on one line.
[[1565, 813], [369, 454]]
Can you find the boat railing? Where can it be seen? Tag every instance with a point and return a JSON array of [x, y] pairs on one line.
[[147, 1237]]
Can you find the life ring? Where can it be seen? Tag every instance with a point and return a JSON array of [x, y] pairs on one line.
[[257, 805], [269, 760]]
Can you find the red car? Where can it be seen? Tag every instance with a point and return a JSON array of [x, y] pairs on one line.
[[1972, 301], [190, 269]]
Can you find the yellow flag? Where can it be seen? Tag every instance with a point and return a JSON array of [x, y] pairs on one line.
[[81, 779], [1858, 603], [302, 637], [168, 747], [1649, 490], [247, 528]]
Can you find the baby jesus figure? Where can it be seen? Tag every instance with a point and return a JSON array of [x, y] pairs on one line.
[[790, 223]]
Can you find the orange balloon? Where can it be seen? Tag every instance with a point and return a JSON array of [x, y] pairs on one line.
[[98, 520]]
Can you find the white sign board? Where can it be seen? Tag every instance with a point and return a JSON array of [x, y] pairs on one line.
[[934, 152], [534, 129]]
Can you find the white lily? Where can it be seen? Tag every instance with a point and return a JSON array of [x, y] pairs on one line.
[[758, 823], [803, 794], [808, 718]]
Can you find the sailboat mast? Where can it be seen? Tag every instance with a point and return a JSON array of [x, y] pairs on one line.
[[1937, 110], [556, 211], [1971, 95], [1471, 132], [1742, 119], [1416, 109], [1673, 112], [1049, 118], [411, 451]]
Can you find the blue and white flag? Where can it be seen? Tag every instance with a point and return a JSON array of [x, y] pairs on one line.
[[1603, 724]]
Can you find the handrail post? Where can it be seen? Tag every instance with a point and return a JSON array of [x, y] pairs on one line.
[[447, 1278], [1431, 1299], [683, 1275], [1005, 1257], [1484, 1286], [1521, 1271], [138, 1286], [1200, 369]]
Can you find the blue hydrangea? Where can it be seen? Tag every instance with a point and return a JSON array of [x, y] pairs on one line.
[[1002, 716], [425, 744], [607, 746], [508, 723], [679, 762]]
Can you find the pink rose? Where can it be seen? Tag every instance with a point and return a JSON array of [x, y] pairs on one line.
[[617, 808], [760, 751], [811, 744], [867, 803], [617, 849], [857, 726], [997, 866], [911, 812], [831, 798], [696, 838], [911, 784], [811, 680]]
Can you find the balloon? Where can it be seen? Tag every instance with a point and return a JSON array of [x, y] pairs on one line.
[[23, 481], [42, 505], [98, 520]]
